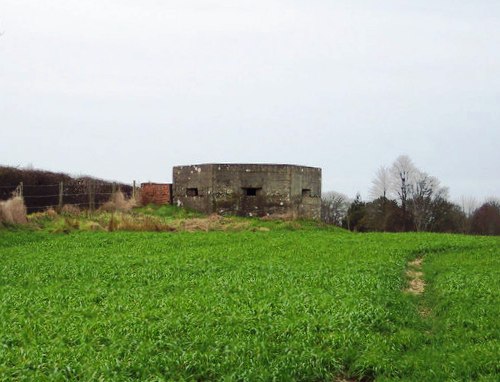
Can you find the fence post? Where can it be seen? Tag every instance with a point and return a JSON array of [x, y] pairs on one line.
[[61, 191], [21, 189], [133, 190], [93, 187], [113, 188], [91, 196], [89, 193]]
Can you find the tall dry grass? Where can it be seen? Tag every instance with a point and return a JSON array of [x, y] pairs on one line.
[[13, 211], [70, 209], [126, 222], [118, 202]]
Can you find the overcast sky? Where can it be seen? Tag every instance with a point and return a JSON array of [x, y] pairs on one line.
[[125, 90]]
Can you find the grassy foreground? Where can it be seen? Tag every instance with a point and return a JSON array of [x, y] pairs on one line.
[[309, 304]]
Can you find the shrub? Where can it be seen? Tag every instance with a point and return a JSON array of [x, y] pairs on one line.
[[486, 219]]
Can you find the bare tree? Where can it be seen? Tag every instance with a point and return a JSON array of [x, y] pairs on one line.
[[415, 192], [381, 184], [403, 173], [425, 191], [468, 204], [492, 200], [334, 206]]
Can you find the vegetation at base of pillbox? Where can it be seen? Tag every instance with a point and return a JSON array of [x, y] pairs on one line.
[[168, 211], [119, 215], [304, 304]]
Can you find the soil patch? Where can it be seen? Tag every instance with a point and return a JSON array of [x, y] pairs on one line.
[[416, 283]]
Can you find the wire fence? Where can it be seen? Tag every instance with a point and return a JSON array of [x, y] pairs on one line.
[[86, 194]]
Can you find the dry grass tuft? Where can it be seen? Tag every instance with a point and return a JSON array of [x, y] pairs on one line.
[[142, 223], [38, 217], [50, 212], [13, 211], [112, 224], [209, 223], [91, 226], [118, 202], [71, 223], [138, 198], [261, 229], [107, 207], [70, 209], [213, 222]]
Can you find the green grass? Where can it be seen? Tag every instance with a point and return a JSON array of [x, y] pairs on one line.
[[299, 302], [168, 211], [464, 324]]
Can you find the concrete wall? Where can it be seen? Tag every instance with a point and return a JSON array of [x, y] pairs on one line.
[[186, 178], [270, 182], [249, 189], [306, 192]]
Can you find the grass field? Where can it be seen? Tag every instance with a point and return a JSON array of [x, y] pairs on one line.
[[306, 304]]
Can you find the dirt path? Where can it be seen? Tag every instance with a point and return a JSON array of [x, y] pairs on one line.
[[416, 283]]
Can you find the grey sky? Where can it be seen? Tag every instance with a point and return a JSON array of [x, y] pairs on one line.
[[124, 89]]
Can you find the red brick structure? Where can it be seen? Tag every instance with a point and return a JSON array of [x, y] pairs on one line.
[[156, 193]]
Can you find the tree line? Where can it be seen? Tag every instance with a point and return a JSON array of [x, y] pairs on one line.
[[405, 198]]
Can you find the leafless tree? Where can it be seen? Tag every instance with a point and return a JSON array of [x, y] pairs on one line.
[[415, 191], [425, 191], [381, 184], [334, 206], [492, 200], [403, 173], [468, 204]]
